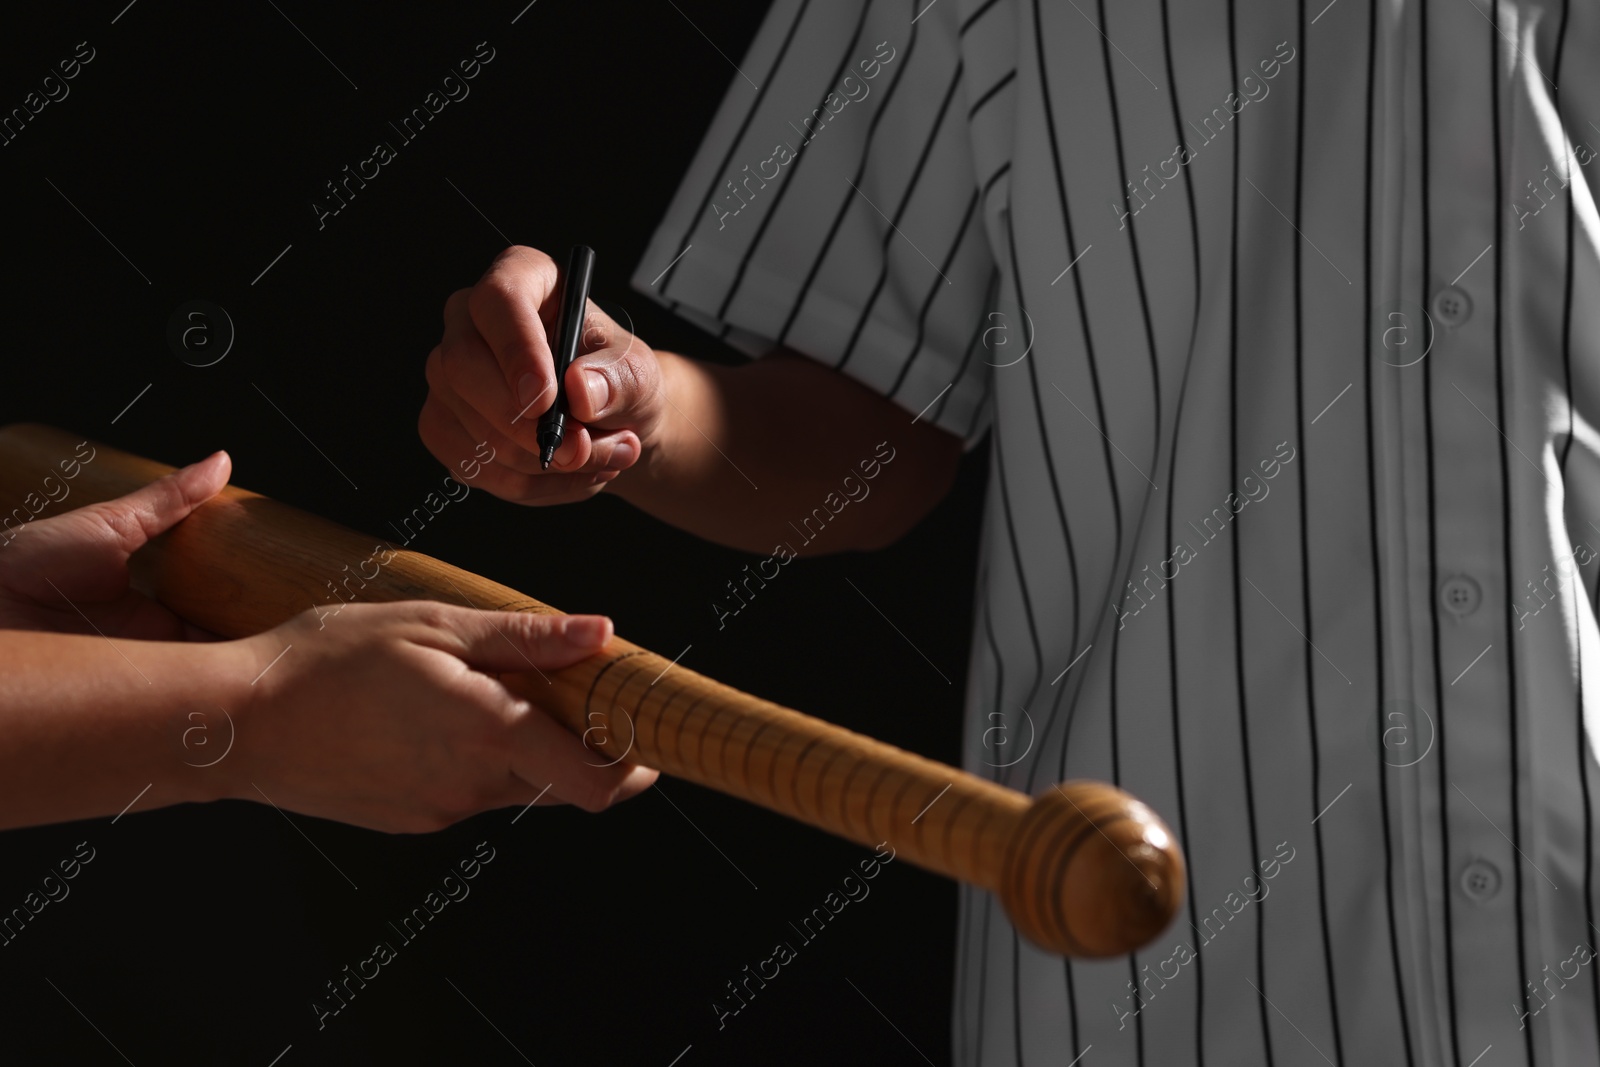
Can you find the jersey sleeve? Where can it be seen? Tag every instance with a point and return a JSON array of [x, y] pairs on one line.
[[832, 208]]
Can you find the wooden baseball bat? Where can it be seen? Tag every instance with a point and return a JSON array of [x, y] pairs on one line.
[[1083, 869]]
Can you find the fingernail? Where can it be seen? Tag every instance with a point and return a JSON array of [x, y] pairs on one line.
[[528, 389], [584, 631], [622, 456], [599, 390]]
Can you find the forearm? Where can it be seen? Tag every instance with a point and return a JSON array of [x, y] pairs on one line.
[[785, 450], [86, 725]]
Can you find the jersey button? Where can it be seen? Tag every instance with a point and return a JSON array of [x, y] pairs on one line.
[[1480, 880], [1460, 595], [1452, 306]]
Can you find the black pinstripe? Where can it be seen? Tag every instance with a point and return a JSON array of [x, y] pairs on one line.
[[1307, 615], [1514, 755], [1433, 561], [1172, 592], [1373, 542], [1237, 540], [972, 19], [989, 94]]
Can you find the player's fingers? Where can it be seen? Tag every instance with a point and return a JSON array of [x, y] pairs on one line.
[[546, 753], [521, 793], [583, 449], [463, 366], [635, 781], [612, 450], [443, 434], [588, 449], [507, 307], [487, 443], [497, 641]]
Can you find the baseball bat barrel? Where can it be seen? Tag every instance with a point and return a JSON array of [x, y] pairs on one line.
[[1083, 869]]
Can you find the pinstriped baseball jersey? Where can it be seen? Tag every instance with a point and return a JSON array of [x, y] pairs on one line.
[[1279, 320]]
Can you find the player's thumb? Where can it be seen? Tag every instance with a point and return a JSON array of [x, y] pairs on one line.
[[617, 383], [148, 512]]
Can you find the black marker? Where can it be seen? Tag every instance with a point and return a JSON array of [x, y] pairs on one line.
[[569, 331]]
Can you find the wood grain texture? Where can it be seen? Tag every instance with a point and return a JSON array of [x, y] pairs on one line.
[[1083, 870]]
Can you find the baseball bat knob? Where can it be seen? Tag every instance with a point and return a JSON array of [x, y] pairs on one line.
[[1091, 872]]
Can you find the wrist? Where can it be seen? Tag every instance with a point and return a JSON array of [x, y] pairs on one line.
[[213, 744]]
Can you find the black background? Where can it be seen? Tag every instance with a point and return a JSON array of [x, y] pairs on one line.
[[195, 142]]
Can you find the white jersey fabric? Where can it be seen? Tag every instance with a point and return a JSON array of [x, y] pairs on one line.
[[1281, 321]]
